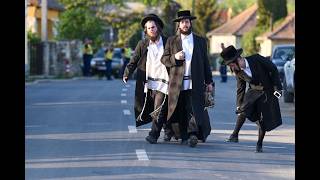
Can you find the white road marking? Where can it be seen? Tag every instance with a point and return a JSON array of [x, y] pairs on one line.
[[70, 103], [97, 124], [32, 126], [124, 102], [233, 124], [271, 147], [127, 85], [132, 129], [142, 155], [126, 112], [147, 129], [123, 94], [124, 89], [275, 147]]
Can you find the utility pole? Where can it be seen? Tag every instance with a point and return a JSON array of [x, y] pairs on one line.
[[44, 36], [26, 58]]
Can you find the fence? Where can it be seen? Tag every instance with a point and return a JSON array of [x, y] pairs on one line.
[[61, 55]]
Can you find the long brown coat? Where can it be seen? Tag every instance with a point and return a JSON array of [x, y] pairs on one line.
[[138, 61], [200, 74]]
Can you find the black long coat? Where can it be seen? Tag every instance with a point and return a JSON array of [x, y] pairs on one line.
[[200, 74], [138, 61], [264, 73]]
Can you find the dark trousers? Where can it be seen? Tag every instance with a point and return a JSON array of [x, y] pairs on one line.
[[108, 69], [86, 64], [223, 73], [240, 121], [125, 62], [159, 118], [185, 116]]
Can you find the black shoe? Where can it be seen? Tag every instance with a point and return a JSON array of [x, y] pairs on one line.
[[193, 141], [151, 139], [184, 142], [259, 149], [167, 137], [232, 139]]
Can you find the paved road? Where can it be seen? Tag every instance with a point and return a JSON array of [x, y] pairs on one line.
[[84, 129]]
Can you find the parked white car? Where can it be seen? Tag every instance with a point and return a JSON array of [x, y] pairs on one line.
[[289, 81]]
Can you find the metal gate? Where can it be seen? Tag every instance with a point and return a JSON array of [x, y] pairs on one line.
[[36, 58]]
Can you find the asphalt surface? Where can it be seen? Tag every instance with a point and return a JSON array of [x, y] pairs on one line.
[[84, 129]]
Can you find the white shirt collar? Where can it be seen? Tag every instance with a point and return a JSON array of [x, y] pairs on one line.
[[186, 36]]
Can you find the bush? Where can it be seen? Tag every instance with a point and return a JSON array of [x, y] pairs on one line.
[[249, 43], [33, 37]]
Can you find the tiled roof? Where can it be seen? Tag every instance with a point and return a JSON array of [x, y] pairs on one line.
[[286, 30], [240, 24], [52, 4]]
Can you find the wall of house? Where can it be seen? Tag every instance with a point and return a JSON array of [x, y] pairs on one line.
[[216, 40], [267, 45], [34, 21]]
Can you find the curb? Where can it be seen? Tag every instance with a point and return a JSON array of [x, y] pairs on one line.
[[51, 80]]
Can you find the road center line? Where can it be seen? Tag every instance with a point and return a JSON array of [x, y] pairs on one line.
[[123, 94], [124, 102], [142, 155], [126, 112], [124, 89], [127, 85], [132, 129]]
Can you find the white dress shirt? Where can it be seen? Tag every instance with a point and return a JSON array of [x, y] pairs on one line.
[[187, 46], [247, 69], [156, 73]]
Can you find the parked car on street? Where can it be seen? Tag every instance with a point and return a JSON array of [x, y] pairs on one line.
[[98, 66], [289, 81], [280, 55]]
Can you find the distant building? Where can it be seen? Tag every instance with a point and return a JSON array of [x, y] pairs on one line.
[[34, 17], [284, 33], [231, 32]]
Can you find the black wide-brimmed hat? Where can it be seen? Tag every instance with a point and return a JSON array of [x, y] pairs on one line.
[[152, 17], [230, 54], [184, 15]]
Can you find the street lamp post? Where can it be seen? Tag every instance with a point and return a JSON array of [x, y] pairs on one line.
[[26, 58], [44, 36]]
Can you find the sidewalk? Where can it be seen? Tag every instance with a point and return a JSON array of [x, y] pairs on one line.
[[42, 79]]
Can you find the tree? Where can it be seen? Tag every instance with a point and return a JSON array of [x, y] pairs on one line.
[[277, 9], [236, 5], [69, 4], [170, 9], [127, 27], [249, 43], [79, 23], [204, 11]]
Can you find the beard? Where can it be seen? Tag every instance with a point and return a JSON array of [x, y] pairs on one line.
[[153, 38], [187, 32]]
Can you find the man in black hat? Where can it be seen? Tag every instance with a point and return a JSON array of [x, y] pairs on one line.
[[186, 56], [152, 79], [260, 102]]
